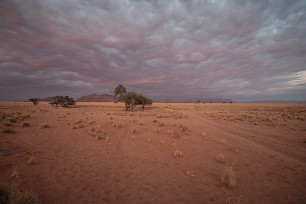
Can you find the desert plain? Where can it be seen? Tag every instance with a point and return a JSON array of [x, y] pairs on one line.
[[169, 153]]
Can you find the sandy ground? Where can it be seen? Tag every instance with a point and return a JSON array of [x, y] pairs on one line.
[[169, 153]]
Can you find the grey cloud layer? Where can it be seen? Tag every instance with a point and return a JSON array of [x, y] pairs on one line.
[[243, 50]]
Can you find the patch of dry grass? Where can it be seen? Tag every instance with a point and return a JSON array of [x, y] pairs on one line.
[[229, 178], [223, 141], [32, 160], [25, 124], [44, 125], [98, 133], [10, 194], [176, 134], [178, 153], [220, 158], [8, 131]]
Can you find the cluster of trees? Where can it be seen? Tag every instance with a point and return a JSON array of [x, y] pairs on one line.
[[131, 99], [63, 101]]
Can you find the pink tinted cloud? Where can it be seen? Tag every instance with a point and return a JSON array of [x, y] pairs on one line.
[[148, 80]]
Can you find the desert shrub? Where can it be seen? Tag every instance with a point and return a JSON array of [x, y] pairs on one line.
[[229, 178]]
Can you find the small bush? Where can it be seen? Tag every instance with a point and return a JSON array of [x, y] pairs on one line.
[[228, 177]]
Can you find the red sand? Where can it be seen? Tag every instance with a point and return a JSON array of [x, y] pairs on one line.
[[264, 143]]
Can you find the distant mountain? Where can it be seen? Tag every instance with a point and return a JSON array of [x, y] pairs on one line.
[[96, 98], [209, 100], [48, 99]]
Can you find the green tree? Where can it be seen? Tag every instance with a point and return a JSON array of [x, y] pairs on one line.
[[34, 100], [131, 99], [120, 91]]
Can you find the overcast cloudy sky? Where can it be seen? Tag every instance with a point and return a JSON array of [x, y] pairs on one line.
[[238, 49]]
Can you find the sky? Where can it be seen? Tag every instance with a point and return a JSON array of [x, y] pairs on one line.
[[177, 49]]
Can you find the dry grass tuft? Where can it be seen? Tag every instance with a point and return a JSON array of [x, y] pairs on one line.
[[8, 131], [176, 134], [219, 158], [14, 174], [134, 131], [26, 198], [32, 160], [223, 141], [189, 174], [44, 125], [5, 193], [185, 129], [25, 124], [98, 133], [178, 153], [161, 124], [229, 178]]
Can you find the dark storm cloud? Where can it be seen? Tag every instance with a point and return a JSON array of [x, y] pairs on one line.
[[244, 50]]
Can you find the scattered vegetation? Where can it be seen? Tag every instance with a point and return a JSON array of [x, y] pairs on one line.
[[229, 178]]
